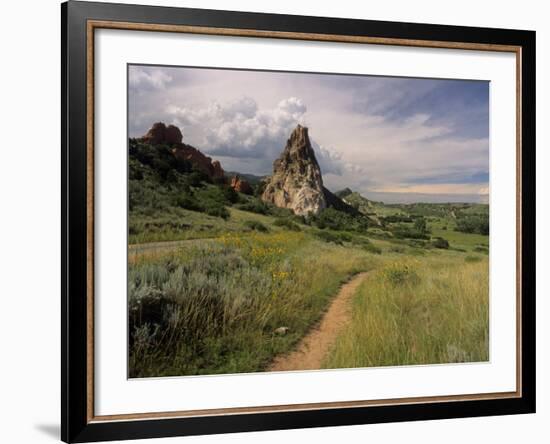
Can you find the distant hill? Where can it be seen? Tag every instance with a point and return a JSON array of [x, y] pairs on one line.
[[442, 209], [356, 200], [343, 193], [333, 201]]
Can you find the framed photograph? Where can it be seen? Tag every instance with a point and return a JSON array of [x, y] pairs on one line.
[[275, 221]]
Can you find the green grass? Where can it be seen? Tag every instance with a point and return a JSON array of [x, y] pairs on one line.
[[385, 210], [212, 306], [467, 241], [181, 224], [418, 311], [209, 302]]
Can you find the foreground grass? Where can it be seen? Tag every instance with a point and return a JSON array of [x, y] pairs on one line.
[[213, 306], [418, 311], [206, 295]]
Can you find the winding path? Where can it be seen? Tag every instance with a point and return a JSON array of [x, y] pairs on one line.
[[313, 348]]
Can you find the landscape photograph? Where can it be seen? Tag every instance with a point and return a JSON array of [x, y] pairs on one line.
[[291, 221]]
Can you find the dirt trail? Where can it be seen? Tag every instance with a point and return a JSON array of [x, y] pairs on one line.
[[313, 348]]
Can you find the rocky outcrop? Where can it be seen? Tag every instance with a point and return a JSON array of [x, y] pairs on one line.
[[160, 134], [296, 182], [172, 135], [199, 161], [241, 185], [217, 170]]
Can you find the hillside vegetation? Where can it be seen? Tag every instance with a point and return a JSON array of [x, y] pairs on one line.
[[214, 274]]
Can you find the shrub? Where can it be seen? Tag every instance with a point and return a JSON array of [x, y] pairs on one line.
[[472, 258], [283, 213], [395, 218], [361, 241], [371, 248], [399, 274], [481, 249], [339, 220], [478, 223], [209, 201], [260, 188], [188, 202], [404, 232], [439, 242], [211, 194], [230, 194], [254, 206], [196, 179], [286, 223], [301, 219], [416, 243], [396, 249], [345, 237], [159, 158], [420, 225], [135, 169], [256, 225], [148, 312], [218, 211], [379, 233], [336, 238]]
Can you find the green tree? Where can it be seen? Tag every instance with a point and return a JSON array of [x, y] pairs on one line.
[[420, 225]]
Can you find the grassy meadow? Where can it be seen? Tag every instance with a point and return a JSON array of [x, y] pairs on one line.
[[425, 310], [216, 304], [213, 276]]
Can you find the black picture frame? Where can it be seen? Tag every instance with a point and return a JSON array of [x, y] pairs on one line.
[[76, 424]]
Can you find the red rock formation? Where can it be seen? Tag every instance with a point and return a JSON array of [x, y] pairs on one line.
[[162, 134], [156, 135], [218, 170], [241, 185], [199, 160], [171, 135]]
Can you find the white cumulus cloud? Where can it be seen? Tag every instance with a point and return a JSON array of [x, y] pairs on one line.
[[239, 127], [145, 79]]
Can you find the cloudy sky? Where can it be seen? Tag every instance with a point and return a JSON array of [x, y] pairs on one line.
[[392, 139]]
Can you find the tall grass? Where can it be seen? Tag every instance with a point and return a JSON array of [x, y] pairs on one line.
[[418, 311], [212, 307]]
